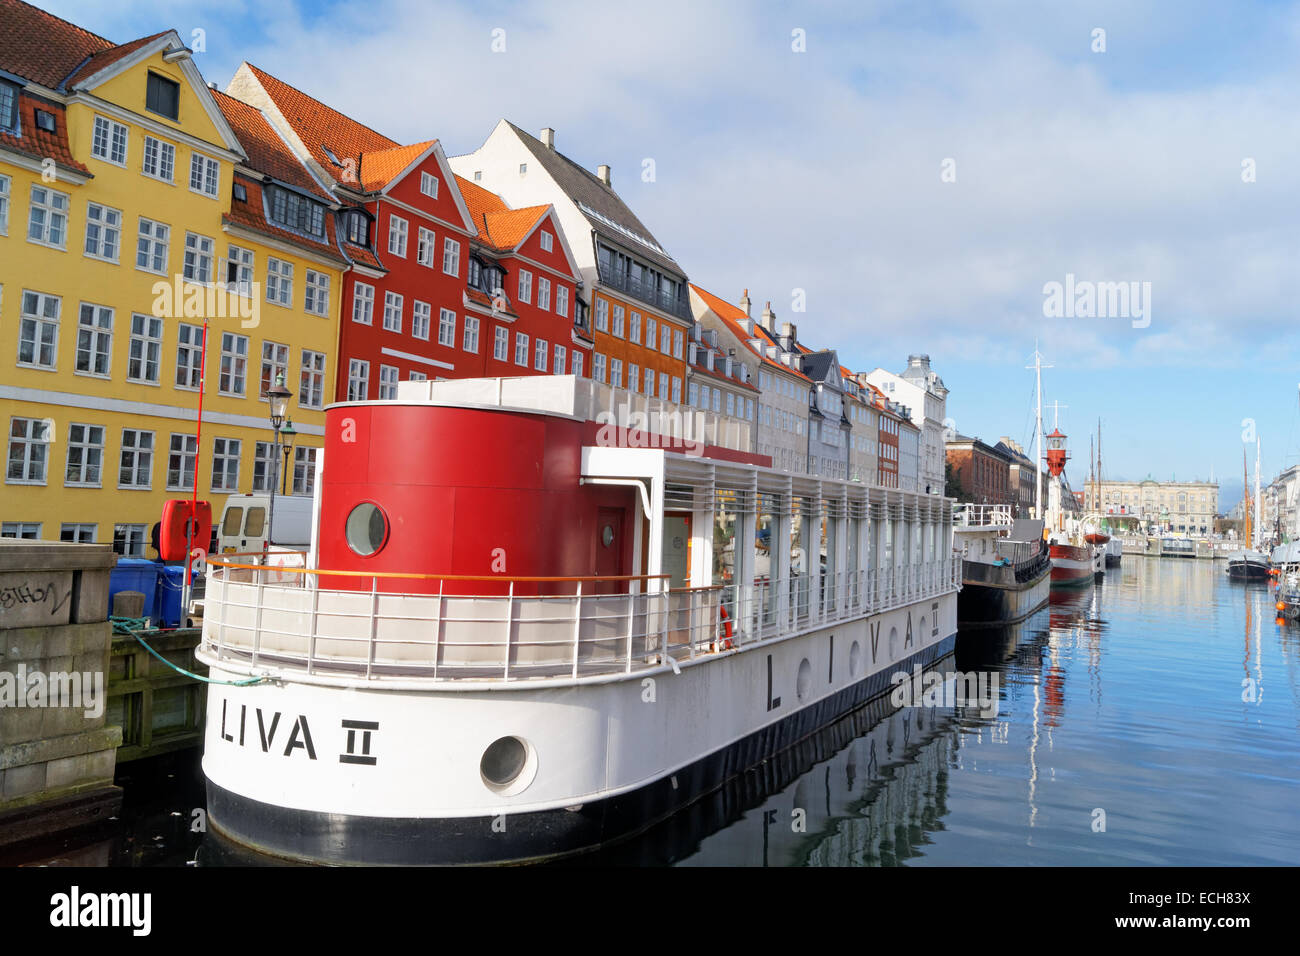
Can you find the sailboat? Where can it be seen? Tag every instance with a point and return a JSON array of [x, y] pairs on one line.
[[1249, 564], [1112, 547]]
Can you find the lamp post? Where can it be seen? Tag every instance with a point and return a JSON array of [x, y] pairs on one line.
[[278, 396], [287, 434]]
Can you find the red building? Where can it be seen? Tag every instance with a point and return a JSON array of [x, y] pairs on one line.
[[433, 289], [522, 288]]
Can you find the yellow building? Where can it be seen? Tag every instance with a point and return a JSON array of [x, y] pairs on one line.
[[130, 213]]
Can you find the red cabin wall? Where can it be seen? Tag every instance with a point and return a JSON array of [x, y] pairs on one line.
[[462, 488]]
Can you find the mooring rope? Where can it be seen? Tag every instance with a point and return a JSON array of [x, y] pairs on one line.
[[132, 626]]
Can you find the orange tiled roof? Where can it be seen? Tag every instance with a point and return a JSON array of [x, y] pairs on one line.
[[498, 225], [106, 58], [380, 167], [320, 126], [250, 215], [41, 47], [732, 316], [267, 152], [37, 143]]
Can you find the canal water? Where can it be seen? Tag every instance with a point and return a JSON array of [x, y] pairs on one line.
[[1151, 719]]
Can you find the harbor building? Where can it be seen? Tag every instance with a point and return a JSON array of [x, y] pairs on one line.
[[1174, 507], [130, 212], [1022, 477], [983, 471], [861, 408], [920, 389], [640, 307]]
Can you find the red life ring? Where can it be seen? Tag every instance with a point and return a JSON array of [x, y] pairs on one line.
[[724, 630]]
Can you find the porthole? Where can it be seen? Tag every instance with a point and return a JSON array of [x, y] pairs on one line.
[[607, 535], [508, 766], [366, 529], [855, 659], [804, 681]]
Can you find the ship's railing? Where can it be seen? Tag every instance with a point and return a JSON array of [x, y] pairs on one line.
[[290, 617], [981, 516]]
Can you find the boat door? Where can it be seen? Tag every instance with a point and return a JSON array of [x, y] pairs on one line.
[[677, 548], [610, 548]]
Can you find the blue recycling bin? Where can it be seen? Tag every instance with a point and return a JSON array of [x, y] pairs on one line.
[[136, 574], [171, 588]]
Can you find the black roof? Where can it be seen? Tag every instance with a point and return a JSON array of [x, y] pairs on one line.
[[609, 216], [817, 365]]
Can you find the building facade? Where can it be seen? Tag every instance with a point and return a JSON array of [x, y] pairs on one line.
[[118, 174], [640, 313], [983, 471], [920, 389], [1023, 476], [1175, 507]]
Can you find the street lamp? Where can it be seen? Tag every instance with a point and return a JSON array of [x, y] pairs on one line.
[[287, 435], [278, 396]]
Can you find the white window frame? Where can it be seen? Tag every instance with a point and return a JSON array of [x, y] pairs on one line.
[[279, 282], [107, 234], [164, 156], [426, 241], [38, 321], [547, 241], [146, 333], [200, 251], [521, 349], [275, 362], [311, 379], [89, 448], [525, 286], [541, 352], [304, 463], [316, 300], [49, 205], [575, 363], [389, 375], [562, 300], [421, 319], [602, 316], [6, 184], [501, 344], [35, 437], [111, 139], [208, 171], [187, 450], [137, 451], [447, 328], [398, 229], [616, 373], [358, 380], [243, 261], [598, 366], [429, 184], [226, 451], [557, 359], [237, 359], [363, 303], [99, 333], [393, 302], [469, 338], [153, 235], [544, 293], [192, 352], [450, 257]]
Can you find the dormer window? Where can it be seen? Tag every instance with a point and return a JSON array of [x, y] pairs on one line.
[[475, 274], [357, 227], [163, 96], [241, 192], [296, 212], [45, 120], [8, 105], [332, 158]]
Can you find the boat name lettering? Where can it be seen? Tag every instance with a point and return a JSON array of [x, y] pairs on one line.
[[357, 734]]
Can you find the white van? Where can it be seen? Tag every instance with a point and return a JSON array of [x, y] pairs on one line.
[[242, 528]]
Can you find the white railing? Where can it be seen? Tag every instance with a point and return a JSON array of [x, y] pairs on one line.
[[982, 516], [260, 616]]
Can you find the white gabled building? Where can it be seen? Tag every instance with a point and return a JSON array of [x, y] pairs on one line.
[[920, 389]]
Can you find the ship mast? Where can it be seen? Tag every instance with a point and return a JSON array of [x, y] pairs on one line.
[[1038, 367], [1245, 500], [1257, 501]]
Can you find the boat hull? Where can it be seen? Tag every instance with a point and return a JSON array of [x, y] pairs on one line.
[[984, 603], [1072, 565], [613, 757]]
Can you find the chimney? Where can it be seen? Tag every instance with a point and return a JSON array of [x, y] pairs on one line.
[[548, 138], [602, 173], [744, 301], [769, 318]]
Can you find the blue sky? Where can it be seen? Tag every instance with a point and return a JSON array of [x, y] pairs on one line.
[[820, 171]]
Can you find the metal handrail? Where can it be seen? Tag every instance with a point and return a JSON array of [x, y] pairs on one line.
[[452, 637]]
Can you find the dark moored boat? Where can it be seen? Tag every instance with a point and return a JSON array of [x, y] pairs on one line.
[[1006, 568]]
